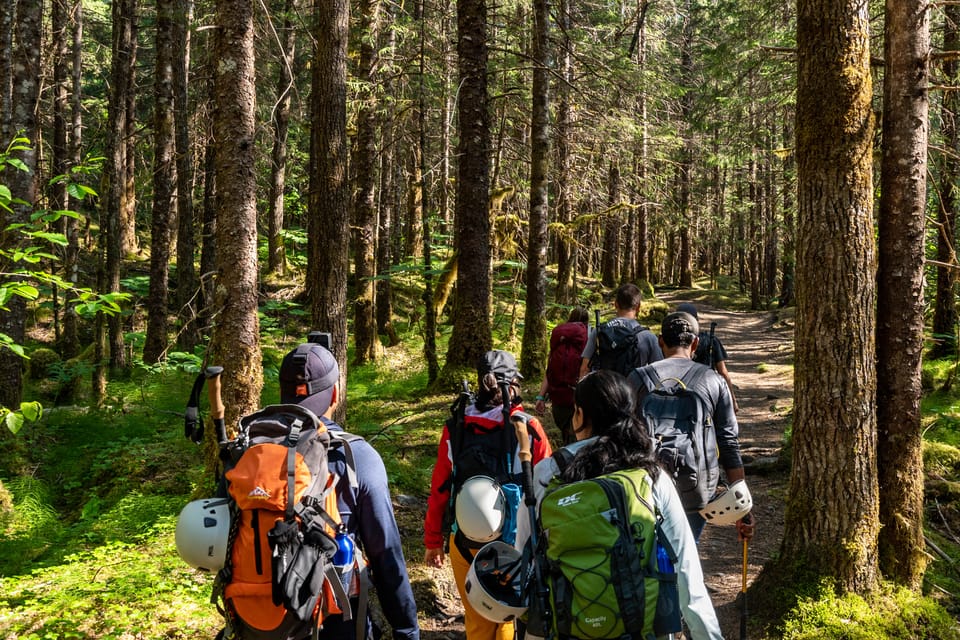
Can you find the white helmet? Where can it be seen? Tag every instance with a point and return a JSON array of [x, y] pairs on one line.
[[481, 509], [494, 583], [203, 530], [730, 505]]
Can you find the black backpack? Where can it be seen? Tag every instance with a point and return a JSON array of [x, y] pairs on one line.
[[678, 417], [618, 347], [476, 452]]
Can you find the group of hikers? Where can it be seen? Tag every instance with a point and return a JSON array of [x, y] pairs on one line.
[[594, 540]]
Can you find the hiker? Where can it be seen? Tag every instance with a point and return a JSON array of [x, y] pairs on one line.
[[622, 343], [479, 437], [611, 438], [710, 351], [366, 509], [567, 342], [717, 436]]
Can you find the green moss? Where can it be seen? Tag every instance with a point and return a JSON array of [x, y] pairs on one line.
[[941, 459], [40, 362], [893, 613]]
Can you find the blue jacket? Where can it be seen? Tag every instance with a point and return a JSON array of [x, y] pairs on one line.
[[367, 511]]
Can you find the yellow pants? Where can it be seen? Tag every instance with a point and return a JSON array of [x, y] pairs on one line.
[[477, 627]]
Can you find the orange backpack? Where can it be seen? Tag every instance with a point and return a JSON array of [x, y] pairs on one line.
[[280, 574]]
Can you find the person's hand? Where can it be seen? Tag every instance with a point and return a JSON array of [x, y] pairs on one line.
[[746, 527], [541, 406], [434, 557]]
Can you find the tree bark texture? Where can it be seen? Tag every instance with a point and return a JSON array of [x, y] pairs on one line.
[[328, 223], [472, 335], [164, 186], [27, 40], [945, 316], [188, 335], [8, 11], [276, 255], [235, 343], [60, 149], [900, 305], [533, 353], [70, 342], [832, 508]]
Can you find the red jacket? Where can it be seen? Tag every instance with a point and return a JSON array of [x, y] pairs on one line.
[[438, 500]]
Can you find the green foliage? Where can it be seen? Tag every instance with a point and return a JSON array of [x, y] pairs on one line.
[[893, 613], [41, 360]]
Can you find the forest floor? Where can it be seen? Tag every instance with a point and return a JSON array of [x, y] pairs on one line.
[[760, 351]]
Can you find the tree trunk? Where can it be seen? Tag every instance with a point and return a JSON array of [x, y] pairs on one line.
[[789, 225], [70, 343], [430, 311], [366, 341], [948, 198], [472, 335], [832, 508], [235, 343], [8, 12], [387, 209], [60, 150], [610, 268], [22, 184], [128, 202], [565, 241], [164, 186], [188, 335], [900, 305], [328, 217], [686, 151], [413, 249], [276, 255], [533, 353]]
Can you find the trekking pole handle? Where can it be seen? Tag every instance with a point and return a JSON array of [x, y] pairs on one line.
[[217, 410], [526, 458]]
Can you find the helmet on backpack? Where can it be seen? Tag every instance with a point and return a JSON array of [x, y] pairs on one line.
[[481, 509], [203, 529], [494, 583], [730, 505]]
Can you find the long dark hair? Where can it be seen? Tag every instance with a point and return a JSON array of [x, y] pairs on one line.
[[608, 402]]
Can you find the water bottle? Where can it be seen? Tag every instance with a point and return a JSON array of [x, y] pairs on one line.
[[345, 548], [667, 619]]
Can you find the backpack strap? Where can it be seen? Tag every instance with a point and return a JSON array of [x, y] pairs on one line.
[[693, 383], [292, 438], [563, 457]]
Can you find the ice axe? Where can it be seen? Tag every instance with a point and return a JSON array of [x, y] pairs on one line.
[[217, 410], [192, 424]]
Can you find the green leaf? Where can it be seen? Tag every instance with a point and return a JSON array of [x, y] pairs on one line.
[[18, 164], [31, 410], [14, 421]]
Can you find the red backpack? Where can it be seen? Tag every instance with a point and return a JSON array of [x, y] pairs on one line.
[[563, 366]]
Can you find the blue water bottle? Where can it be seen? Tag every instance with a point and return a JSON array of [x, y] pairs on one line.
[[345, 548], [667, 619]]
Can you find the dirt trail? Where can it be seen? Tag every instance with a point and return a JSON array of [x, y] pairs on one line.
[[760, 351]]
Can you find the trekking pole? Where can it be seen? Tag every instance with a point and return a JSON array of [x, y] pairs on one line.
[[217, 410], [743, 595], [530, 499]]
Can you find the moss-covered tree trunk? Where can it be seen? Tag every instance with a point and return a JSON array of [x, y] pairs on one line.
[[236, 335], [832, 509], [328, 221], [900, 307], [164, 186], [366, 340], [533, 354], [471, 335]]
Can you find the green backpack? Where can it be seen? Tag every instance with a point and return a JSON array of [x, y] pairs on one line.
[[599, 554]]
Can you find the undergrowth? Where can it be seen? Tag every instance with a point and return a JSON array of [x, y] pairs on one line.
[[87, 550]]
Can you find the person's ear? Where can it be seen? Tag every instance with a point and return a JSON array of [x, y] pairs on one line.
[[663, 345], [694, 344], [334, 397]]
